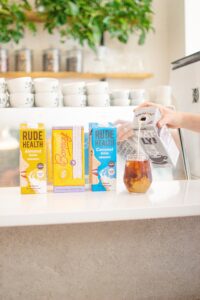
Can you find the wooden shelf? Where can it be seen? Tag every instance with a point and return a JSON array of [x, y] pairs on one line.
[[38, 17], [35, 16], [68, 75]]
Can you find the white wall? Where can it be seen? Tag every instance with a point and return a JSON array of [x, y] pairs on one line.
[[176, 30], [155, 51], [192, 25], [154, 54], [184, 24]]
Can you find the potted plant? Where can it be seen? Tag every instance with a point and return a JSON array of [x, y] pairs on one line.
[[13, 20], [84, 20]]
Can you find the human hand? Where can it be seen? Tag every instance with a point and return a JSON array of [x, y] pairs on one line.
[[169, 117], [124, 130]]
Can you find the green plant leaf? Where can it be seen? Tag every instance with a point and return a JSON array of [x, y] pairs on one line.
[[84, 20], [74, 8]]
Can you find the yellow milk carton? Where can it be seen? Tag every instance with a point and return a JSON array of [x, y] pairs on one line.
[[33, 159], [68, 159], [49, 161]]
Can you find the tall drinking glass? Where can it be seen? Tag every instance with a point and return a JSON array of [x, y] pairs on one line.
[[137, 174]]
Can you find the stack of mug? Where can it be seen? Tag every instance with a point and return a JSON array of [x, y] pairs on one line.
[[137, 96], [74, 94], [3, 93], [21, 92], [47, 92], [120, 98], [98, 94]]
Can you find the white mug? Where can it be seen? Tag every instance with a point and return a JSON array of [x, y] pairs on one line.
[[46, 85], [46, 99], [3, 85], [60, 97], [120, 102], [137, 96], [98, 87], [152, 94], [4, 100], [20, 85], [74, 88], [75, 100], [21, 100], [99, 100], [120, 94]]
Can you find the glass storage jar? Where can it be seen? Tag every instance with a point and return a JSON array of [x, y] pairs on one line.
[[74, 60], [24, 60], [51, 60], [3, 60]]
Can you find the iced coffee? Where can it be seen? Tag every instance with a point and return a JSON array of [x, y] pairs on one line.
[[137, 174]]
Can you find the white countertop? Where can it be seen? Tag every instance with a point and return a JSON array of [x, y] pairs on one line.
[[163, 200]]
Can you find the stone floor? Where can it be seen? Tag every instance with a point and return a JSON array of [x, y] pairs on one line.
[[136, 260]]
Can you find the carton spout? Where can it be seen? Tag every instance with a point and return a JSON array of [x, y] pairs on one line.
[[143, 119]]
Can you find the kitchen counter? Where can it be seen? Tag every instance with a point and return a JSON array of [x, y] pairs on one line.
[[165, 199], [148, 252]]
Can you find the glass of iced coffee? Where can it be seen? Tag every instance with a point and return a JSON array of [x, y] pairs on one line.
[[137, 174]]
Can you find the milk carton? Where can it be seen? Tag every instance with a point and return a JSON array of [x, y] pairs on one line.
[[33, 159], [102, 157], [127, 147], [68, 159], [86, 151], [156, 142], [49, 161]]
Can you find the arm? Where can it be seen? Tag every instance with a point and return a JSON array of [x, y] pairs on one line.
[[190, 121], [174, 119], [171, 118]]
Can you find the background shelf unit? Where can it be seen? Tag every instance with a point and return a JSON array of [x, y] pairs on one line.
[[69, 75]]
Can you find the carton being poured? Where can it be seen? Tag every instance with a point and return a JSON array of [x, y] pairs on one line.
[[157, 143]]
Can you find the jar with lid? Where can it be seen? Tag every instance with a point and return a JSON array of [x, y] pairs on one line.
[[24, 60], [51, 60], [3, 60], [74, 60]]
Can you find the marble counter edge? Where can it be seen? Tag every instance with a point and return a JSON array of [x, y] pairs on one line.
[[181, 199]]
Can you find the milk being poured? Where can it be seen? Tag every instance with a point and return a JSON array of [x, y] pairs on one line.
[[138, 139]]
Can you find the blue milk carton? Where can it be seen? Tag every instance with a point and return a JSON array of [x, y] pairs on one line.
[[86, 150], [102, 157]]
